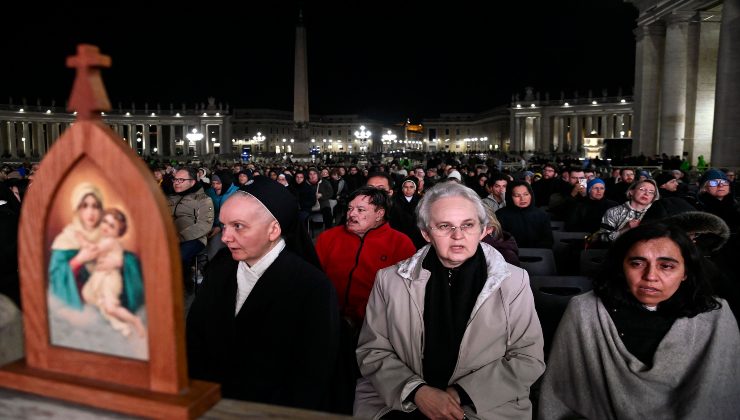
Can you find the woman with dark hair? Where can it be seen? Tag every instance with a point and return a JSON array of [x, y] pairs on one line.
[[529, 225], [651, 341]]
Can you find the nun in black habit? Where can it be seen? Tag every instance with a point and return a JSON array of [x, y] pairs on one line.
[[265, 322]]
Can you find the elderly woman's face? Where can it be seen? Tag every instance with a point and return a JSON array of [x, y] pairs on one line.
[[654, 270], [249, 231], [720, 189], [643, 194], [458, 244], [89, 212]]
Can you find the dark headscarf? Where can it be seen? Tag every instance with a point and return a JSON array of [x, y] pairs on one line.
[[283, 206]]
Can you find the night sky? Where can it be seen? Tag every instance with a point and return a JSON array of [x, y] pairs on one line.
[[386, 60]]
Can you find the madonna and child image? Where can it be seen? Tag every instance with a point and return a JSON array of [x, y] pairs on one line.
[[95, 289]]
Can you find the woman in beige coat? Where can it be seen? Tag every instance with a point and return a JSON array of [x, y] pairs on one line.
[[452, 331]]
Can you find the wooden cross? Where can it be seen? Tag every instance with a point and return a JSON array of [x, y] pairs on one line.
[[88, 95]]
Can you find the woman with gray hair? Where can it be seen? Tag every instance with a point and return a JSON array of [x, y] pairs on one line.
[[452, 331]]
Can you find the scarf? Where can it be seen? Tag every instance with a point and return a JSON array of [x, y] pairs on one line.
[[448, 301]]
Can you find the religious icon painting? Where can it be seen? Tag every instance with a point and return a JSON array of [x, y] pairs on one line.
[[97, 252], [95, 290]]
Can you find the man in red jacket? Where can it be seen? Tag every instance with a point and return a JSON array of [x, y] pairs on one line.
[[352, 254]]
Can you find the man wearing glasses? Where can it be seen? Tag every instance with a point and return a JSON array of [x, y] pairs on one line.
[[714, 197], [192, 212]]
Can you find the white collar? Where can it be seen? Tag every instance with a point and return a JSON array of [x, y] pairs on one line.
[[266, 261]]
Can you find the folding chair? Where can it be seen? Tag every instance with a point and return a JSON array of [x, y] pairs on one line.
[[567, 246], [537, 261], [591, 261], [557, 224], [551, 297]]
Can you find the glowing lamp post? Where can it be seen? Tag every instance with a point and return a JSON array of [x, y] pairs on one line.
[[363, 135], [258, 139], [389, 138], [194, 136]]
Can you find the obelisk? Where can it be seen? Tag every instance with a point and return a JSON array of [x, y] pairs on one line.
[[300, 88]]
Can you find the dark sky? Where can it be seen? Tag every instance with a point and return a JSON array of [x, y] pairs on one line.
[[388, 60]]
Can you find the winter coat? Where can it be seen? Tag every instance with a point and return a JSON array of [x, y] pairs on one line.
[[501, 353], [351, 262], [192, 214]]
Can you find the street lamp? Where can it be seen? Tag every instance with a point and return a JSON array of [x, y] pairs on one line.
[[362, 136], [389, 138], [192, 137], [259, 138]]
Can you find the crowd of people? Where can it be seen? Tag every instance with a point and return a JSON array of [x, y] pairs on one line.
[[411, 301]]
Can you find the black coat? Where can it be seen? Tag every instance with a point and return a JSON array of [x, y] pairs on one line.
[[281, 348], [530, 226]]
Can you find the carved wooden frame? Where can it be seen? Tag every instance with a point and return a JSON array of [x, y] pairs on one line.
[[159, 386]]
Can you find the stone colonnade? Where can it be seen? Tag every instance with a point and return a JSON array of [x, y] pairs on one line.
[[687, 79], [30, 135]]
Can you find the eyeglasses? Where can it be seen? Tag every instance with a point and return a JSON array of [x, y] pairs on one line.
[[444, 229], [718, 182], [181, 180], [647, 191]]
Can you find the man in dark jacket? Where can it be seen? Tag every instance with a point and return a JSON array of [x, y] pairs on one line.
[[265, 324]]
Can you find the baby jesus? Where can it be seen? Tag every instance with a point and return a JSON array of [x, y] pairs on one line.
[[103, 288]]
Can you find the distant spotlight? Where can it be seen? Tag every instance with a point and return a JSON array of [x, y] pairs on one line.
[[518, 106], [593, 102], [566, 104], [623, 101]]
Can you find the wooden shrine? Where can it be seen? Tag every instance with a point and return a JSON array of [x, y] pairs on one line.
[[100, 274]]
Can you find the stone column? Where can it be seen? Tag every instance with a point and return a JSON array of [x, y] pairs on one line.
[[44, 137], [12, 139], [171, 141], [545, 133], [675, 74], [131, 136], [604, 126], [516, 134], [703, 41], [146, 147], [3, 138], [648, 72], [589, 120], [577, 135], [726, 134], [529, 140], [557, 138], [26, 145], [160, 140], [54, 133]]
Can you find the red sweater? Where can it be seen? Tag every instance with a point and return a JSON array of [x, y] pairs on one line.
[[350, 260]]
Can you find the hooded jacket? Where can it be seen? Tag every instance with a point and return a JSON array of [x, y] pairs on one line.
[[501, 352]]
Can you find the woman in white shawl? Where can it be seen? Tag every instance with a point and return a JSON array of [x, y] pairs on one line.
[[649, 342]]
